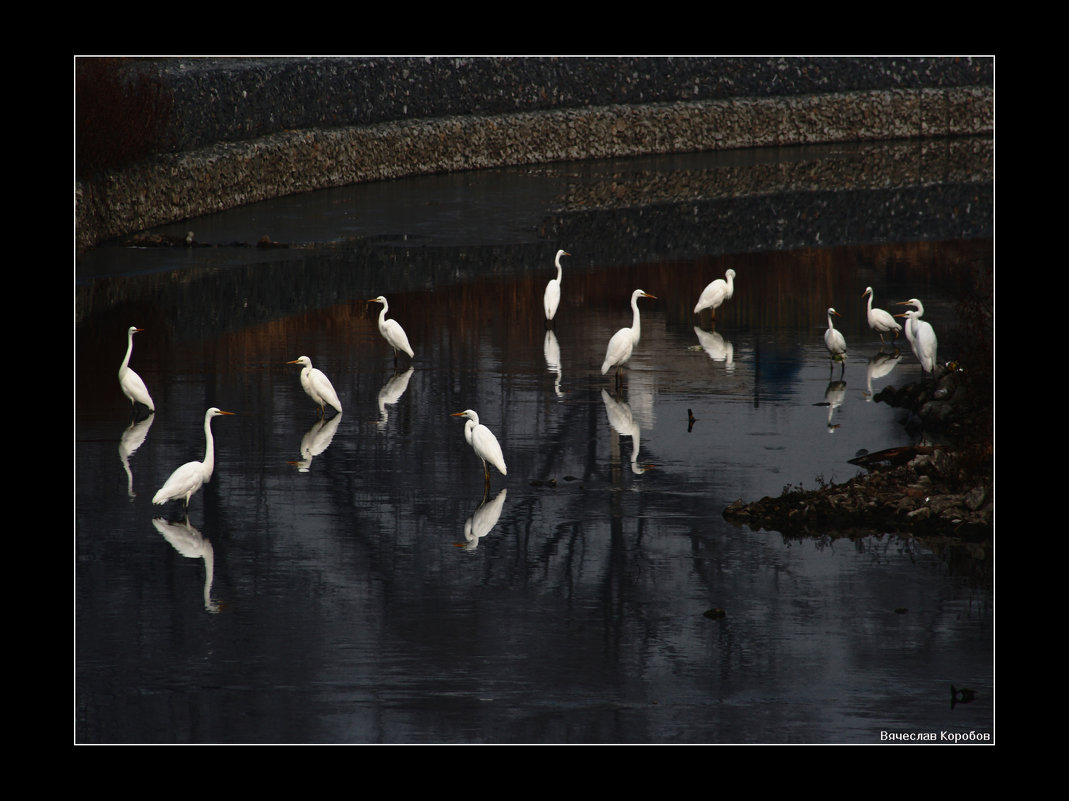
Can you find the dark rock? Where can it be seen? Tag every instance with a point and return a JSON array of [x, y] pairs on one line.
[[938, 491]]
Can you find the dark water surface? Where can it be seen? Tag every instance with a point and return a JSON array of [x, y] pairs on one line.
[[347, 583]]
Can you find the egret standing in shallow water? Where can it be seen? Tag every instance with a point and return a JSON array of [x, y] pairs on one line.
[[714, 295], [623, 342], [317, 385], [921, 337], [835, 342], [130, 382], [484, 443], [189, 478], [391, 331], [551, 298], [880, 321]]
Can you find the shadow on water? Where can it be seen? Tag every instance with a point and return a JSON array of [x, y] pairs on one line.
[[361, 585]]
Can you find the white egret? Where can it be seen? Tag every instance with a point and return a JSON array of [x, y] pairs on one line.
[[714, 295], [317, 385], [132, 385], [921, 338], [551, 298], [391, 331], [623, 342], [834, 341], [880, 321], [911, 327], [189, 478], [484, 443]]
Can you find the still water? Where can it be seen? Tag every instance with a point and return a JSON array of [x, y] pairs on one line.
[[350, 582]]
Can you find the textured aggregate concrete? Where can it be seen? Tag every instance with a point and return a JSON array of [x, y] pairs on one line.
[[244, 130]]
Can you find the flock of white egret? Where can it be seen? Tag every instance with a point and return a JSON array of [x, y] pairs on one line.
[[187, 479], [919, 333], [190, 477]]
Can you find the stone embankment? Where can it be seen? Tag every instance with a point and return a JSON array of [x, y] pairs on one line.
[[247, 130]]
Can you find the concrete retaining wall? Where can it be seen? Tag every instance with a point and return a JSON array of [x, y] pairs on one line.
[[249, 130]]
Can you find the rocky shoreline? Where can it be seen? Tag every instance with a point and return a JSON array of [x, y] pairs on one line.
[[942, 491]]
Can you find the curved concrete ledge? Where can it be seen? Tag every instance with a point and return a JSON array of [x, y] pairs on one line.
[[178, 186]]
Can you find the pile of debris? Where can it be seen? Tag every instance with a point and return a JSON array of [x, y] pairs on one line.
[[941, 490]]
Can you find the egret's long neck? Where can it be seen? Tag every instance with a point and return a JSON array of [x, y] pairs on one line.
[[209, 449], [636, 321], [870, 303], [468, 428], [731, 285], [129, 351], [382, 314], [560, 273], [920, 310], [831, 324]]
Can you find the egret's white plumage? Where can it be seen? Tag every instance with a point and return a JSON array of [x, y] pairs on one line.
[[834, 341], [921, 336], [880, 321], [551, 298], [714, 295], [317, 385], [911, 323], [484, 443], [391, 330], [189, 478], [623, 342], [132, 385]]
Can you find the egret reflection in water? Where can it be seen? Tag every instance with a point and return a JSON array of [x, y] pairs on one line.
[[880, 365], [482, 520], [316, 440], [716, 347], [132, 438], [551, 352], [189, 542], [390, 393], [623, 422], [834, 396]]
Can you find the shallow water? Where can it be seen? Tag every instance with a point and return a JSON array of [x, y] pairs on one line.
[[357, 588]]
